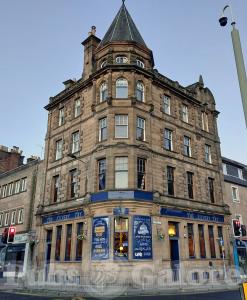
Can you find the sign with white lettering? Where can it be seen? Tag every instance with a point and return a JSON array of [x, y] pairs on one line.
[[142, 237], [21, 238], [63, 217], [192, 215], [100, 238]]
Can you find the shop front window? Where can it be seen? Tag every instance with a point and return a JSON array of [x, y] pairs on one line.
[[121, 243], [79, 241], [202, 241], [58, 243], [191, 243], [211, 241], [68, 242]]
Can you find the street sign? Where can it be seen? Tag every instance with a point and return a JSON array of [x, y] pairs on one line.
[[20, 238]]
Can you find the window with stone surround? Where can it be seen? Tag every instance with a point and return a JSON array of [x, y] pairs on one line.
[[170, 180], [190, 185], [211, 241], [75, 142], [77, 108], [140, 91], [201, 241], [59, 149], [121, 243], [121, 88], [187, 146], [55, 188], [73, 183], [13, 217], [191, 241], [121, 126], [185, 114], [168, 139], [167, 105], [103, 92], [121, 172], [102, 129], [140, 129], [208, 157], [211, 189], [101, 174], [141, 170], [205, 121], [61, 116], [58, 243], [20, 216]]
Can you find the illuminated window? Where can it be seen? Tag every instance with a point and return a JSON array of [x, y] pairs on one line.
[[121, 243], [173, 229]]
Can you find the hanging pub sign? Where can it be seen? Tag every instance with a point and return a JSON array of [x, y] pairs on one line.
[[142, 237], [100, 238]]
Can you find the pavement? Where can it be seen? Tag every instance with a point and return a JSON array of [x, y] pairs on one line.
[[221, 295]]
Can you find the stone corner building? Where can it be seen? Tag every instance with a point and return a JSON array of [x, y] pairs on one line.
[[133, 166]]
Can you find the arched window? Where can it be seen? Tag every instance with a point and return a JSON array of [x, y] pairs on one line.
[[139, 91], [140, 63], [121, 88], [103, 64], [103, 92], [121, 60]]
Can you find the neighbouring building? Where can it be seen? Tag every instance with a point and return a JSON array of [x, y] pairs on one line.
[[20, 189], [133, 168], [235, 195], [10, 158]]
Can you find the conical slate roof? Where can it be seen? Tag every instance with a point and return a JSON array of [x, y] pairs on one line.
[[122, 28]]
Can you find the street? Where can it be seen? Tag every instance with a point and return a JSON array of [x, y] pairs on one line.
[[228, 295]]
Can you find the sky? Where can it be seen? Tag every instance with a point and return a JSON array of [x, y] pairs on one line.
[[40, 47]]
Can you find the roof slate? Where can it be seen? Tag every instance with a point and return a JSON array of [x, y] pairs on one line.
[[122, 28]]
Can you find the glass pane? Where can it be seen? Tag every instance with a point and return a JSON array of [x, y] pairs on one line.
[[121, 180]]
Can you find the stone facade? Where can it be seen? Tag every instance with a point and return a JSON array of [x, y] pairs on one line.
[[191, 115]]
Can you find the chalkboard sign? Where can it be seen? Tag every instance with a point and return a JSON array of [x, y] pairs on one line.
[[100, 238], [142, 237]]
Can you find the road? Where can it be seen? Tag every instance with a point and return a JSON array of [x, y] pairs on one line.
[[228, 295]]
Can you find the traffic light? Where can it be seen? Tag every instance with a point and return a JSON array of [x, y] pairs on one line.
[[236, 228], [11, 234], [5, 235]]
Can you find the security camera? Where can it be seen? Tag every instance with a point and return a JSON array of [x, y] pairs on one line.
[[223, 21]]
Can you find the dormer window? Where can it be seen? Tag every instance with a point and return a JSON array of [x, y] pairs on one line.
[[103, 64], [139, 63], [121, 60]]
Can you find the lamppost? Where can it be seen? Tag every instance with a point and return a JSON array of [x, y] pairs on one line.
[[239, 60], [86, 167]]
